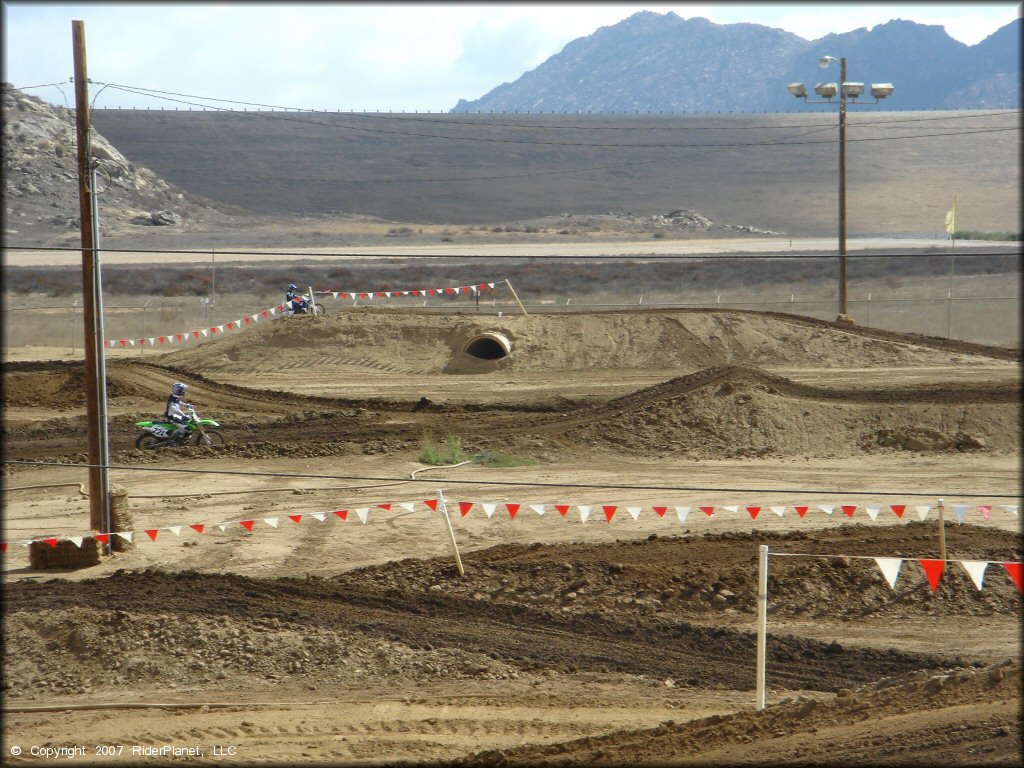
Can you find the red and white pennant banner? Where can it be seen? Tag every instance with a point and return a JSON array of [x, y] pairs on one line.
[[512, 509], [933, 569], [471, 290], [248, 320]]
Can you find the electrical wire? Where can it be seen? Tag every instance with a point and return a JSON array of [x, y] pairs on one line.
[[524, 483], [478, 258]]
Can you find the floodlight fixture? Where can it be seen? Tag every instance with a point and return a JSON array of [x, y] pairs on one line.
[[853, 90], [826, 90], [798, 89], [881, 90]]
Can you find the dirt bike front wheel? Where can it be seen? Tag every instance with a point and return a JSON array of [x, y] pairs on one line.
[[210, 439], [318, 309], [146, 441]]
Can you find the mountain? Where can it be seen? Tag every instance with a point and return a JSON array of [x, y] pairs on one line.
[[654, 62]]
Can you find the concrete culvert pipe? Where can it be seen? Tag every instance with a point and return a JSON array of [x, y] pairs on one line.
[[488, 346]]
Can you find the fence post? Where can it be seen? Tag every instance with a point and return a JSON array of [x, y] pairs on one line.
[[451, 532], [942, 530], [949, 314], [868, 321], [762, 622]]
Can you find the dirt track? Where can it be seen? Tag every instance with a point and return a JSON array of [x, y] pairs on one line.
[[565, 642]]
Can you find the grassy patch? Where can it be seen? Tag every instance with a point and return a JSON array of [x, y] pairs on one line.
[[500, 459], [449, 452]]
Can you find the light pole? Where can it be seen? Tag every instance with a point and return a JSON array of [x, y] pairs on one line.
[[852, 91]]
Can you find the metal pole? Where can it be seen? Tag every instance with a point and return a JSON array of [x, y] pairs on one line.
[[145, 306], [86, 202], [762, 622], [515, 296], [842, 191], [102, 364], [74, 319]]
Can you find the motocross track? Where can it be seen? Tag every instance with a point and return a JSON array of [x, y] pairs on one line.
[[567, 641]]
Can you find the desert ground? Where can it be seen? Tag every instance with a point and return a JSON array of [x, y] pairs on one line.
[[601, 616]]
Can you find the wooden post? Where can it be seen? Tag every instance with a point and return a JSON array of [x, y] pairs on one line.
[[451, 533], [942, 530], [515, 296], [762, 623], [86, 201]]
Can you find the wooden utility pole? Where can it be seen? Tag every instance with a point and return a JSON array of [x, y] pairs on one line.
[[93, 379]]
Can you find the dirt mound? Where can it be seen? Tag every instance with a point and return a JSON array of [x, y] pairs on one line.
[[623, 608], [918, 715], [731, 411], [398, 341]]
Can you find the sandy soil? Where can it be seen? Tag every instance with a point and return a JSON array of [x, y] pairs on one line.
[[567, 640]]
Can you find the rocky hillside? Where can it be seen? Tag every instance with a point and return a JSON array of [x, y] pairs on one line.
[[40, 167], [664, 63]]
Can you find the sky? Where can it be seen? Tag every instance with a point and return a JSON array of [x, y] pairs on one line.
[[369, 56]]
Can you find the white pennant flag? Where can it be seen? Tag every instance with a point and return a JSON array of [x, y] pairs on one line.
[[271, 521], [175, 529], [780, 511], [922, 511], [491, 284], [220, 328], [873, 511], [78, 540], [222, 526], [584, 511], [634, 512], [959, 512], [152, 340], [890, 568], [321, 516], [132, 342], [682, 513], [733, 508], [538, 508], [976, 570], [363, 513], [408, 506], [334, 294], [126, 535], [1011, 508], [206, 331], [828, 509], [489, 507]]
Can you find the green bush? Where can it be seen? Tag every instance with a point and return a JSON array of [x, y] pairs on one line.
[[449, 453]]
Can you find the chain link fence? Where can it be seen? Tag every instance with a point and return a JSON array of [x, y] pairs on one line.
[[982, 319]]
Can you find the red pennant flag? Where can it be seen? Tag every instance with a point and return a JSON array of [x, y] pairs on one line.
[[448, 291], [609, 512], [51, 542], [295, 518], [177, 336], [247, 524], [432, 503], [464, 507], [933, 570], [195, 334], [264, 312], [151, 532], [415, 293], [1014, 569], [483, 287], [512, 509], [247, 320], [898, 509], [198, 527], [280, 307], [432, 292], [386, 507], [163, 339], [102, 537], [660, 510], [801, 510], [753, 512], [562, 509], [343, 295], [849, 509], [342, 513], [3, 546], [709, 511], [123, 342], [213, 330]]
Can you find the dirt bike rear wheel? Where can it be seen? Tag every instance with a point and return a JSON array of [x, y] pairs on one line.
[[214, 439], [147, 441]]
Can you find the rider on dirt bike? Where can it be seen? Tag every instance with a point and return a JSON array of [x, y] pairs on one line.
[[177, 411], [296, 301]]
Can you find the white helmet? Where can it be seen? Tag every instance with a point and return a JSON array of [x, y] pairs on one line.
[[177, 388]]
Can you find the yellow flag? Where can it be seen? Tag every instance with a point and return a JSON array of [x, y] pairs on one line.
[[951, 218]]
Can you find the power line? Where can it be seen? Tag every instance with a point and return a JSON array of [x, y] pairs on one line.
[[454, 117], [492, 140], [476, 257], [529, 484]]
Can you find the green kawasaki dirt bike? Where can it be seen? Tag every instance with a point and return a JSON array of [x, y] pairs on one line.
[[161, 434]]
